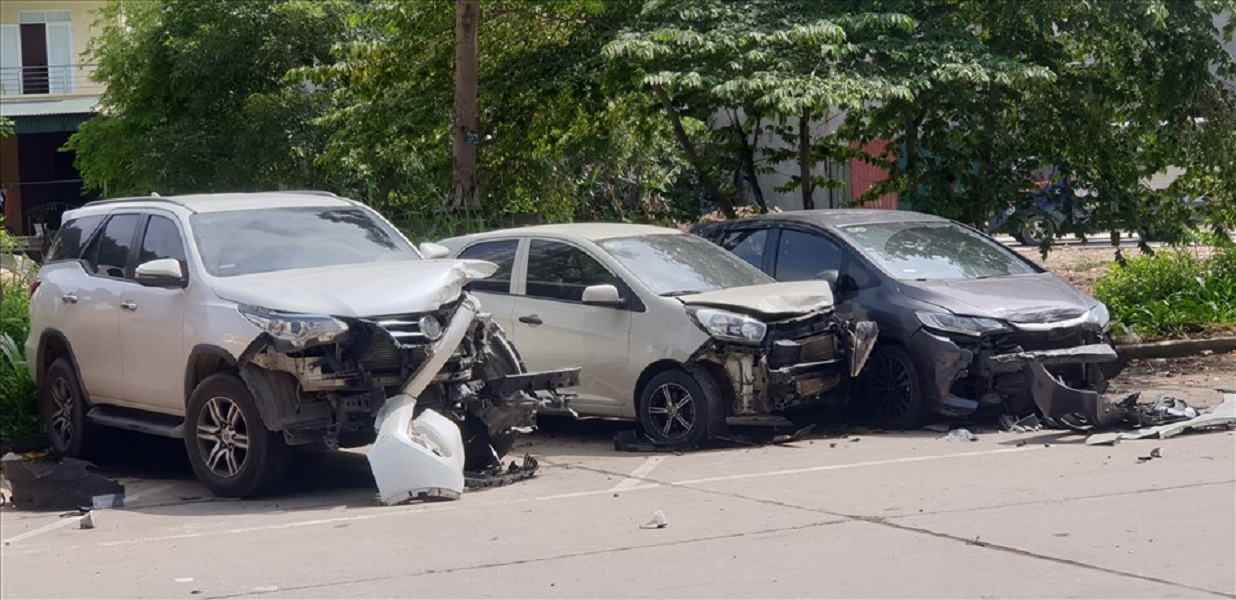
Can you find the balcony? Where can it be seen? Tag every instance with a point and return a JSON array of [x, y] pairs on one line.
[[48, 82]]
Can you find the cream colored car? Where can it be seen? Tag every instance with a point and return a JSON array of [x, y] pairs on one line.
[[666, 327]]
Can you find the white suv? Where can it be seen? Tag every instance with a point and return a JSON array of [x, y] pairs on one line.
[[251, 323]]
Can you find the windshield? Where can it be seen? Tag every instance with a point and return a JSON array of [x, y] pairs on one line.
[[674, 264], [936, 251], [243, 242]]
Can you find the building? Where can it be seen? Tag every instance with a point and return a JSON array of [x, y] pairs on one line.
[[46, 91]]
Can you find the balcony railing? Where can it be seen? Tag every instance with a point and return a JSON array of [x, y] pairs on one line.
[[54, 80]]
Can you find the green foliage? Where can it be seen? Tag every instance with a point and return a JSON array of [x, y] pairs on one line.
[[18, 409], [1172, 293], [197, 96]]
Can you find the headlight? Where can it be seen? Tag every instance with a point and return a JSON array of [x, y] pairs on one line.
[[728, 326], [296, 329], [1099, 315], [963, 325]]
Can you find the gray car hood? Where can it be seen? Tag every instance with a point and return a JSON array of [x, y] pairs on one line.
[[365, 290], [1039, 298], [768, 300]]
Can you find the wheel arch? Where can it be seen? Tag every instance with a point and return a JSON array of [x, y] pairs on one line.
[[717, 386], [206, 360], [53, 344]]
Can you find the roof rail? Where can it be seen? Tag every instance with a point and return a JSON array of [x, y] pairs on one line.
[[106, 201], [311, 193]]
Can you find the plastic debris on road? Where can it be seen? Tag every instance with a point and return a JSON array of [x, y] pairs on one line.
[[961, 435], [1223, 415], [658, 521]]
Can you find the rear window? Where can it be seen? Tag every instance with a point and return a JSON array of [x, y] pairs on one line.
[[72, 238]]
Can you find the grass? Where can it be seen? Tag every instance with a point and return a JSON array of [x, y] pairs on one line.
[[1172, 294], [18, 407]]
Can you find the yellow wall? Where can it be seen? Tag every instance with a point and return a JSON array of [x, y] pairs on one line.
[[84, 16]]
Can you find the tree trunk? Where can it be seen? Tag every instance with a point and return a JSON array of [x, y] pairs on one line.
[[747, 155], [465, 133], [804, 159], [688, 148]]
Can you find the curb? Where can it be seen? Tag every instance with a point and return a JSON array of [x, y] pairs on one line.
[[1177, 348]]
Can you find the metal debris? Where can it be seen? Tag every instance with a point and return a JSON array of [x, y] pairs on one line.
[[658, 521], [1023, 425], [1223, 415], [497, 477]]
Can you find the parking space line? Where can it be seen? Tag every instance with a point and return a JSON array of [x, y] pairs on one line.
[[637, 476]]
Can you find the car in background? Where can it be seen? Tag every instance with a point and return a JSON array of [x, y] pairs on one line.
[[250, 324], [960, 316], [666, 327]]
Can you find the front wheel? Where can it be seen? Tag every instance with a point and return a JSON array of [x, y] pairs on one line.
[[891, 389], [673, 408], [230, 449]]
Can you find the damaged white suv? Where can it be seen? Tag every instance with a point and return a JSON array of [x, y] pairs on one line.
[[252, 323]]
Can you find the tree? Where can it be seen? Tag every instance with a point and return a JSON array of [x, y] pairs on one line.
[[466, 126], [197, 96]]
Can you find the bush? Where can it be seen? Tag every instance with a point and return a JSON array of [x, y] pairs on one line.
[[1172, 293], [18, 408]]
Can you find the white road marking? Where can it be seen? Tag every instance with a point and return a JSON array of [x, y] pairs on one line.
[[441, 507], [67, 521], [636, 477]]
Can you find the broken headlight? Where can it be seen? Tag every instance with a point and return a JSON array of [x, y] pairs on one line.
[[949, 323], [297, 329], [1099, 315], [728, 326]]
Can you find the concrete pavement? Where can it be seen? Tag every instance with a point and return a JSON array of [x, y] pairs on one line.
[[873, 515]]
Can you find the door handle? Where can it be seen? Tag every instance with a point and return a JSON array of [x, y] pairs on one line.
[[531, 320], [129, 305], [69, 298]]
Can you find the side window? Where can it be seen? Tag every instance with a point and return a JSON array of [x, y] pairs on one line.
[[108, 254], [747, 244], [69, 241], [561, 272], [162, 240], [802, 256], [501, 253]]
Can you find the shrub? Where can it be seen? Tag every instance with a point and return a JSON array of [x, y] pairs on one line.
[[1172, 293], [18, 408]]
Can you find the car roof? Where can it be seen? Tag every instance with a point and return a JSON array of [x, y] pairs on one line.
[[841, 217], [202, 203], [573, 231]]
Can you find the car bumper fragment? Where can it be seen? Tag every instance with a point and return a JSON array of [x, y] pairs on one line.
[[1077, 409], [1011, 363]]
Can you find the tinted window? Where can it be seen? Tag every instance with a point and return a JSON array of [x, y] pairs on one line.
[[162, 240], [109, 252], [673, 264], [561, 272], [243, 242], [501, 253], [936, 251], [862, 274], [71, 238], [747, 244], [802, 256]]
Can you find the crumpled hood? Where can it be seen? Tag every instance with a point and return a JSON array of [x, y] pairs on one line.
[[365, 290], [1041, 298], [769, 299]]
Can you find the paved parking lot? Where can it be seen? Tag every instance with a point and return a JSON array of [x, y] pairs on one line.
[[855, 515]]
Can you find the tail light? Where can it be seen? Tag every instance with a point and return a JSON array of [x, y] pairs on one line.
[[34, 285]]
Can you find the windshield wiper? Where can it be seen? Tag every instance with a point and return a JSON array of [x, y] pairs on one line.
[[676, 293]]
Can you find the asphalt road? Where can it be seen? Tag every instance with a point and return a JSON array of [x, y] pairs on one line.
[[860, 515]]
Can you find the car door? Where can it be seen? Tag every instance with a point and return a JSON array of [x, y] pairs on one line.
[[95, 334], [494, 292], [152, 324], [555, 329]]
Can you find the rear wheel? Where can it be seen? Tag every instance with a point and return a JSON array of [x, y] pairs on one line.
[[1034, 231], [673, 408], [230, 449], [891, 390], [63, 406]]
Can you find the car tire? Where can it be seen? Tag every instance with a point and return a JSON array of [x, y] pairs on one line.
[[673, 408], [1034, 231], [230, 449], [63, 407], [892, 390]]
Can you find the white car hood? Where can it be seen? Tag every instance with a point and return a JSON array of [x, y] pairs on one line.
[[769, 299], [365, 290]]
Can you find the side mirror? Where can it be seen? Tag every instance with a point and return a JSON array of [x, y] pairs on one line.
[[431, 250], [164, 272], [843, 285], [603, 295]]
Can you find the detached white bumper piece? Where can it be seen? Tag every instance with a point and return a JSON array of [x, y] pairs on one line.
[[416, 459]]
